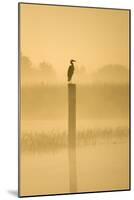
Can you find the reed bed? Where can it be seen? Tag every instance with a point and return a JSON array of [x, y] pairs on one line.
[[53, 141]]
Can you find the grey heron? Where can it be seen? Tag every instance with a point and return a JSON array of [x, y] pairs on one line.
[[71, 70]]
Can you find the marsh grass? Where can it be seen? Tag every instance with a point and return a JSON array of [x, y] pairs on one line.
[[54, 141]]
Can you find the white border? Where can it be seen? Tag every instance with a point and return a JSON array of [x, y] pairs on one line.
[[9, 91]]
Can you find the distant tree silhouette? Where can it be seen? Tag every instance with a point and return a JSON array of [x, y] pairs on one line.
[[43, 73], [26, 63], [47, 72], [46, 68]]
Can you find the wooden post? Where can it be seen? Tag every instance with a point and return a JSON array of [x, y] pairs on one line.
[[72, 137]]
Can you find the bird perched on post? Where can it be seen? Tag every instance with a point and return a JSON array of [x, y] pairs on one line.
[[70, 70]]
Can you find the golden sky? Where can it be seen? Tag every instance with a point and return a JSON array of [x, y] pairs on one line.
[[94, 37]]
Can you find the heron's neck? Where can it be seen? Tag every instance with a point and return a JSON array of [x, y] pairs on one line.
[[72, 63]]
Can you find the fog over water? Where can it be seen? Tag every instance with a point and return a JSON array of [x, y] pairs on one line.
[[98, 39]]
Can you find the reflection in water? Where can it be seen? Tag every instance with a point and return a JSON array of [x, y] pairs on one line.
[[101, 159], [99, 167]]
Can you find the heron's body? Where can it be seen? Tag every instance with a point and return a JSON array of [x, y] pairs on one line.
[[70, 70]]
